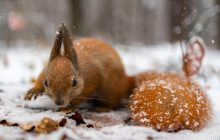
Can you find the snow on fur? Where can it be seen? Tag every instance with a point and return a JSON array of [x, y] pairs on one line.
[[167, 101]]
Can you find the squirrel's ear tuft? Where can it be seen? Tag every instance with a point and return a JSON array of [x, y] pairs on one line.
[[57, 44], [69, 51]]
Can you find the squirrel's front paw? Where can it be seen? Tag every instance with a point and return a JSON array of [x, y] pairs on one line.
[[34, 92]]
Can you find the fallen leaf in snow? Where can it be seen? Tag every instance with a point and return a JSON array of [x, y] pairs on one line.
[[27, 127], [4, 122], [78, 118], [46, 125], [90, 126], [62, 122]]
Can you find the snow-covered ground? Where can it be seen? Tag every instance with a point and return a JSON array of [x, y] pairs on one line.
[[18, 65]]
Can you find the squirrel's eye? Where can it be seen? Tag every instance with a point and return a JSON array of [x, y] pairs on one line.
[[45, 83], [74, 82]]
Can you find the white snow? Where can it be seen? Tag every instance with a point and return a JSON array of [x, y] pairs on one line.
[[20, 64]]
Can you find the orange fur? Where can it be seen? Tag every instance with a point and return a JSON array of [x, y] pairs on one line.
[[169, 102], [102, 70], [96, 66]]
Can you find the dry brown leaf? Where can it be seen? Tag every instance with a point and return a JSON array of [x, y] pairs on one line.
[[78, 118], [89, 126], [192, 59], [46, 125], [6, 123], [62, 122], [27, 127]]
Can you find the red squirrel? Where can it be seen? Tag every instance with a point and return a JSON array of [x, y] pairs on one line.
[[86, 67]]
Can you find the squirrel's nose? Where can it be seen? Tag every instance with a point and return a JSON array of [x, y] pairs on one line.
[[59, 102]]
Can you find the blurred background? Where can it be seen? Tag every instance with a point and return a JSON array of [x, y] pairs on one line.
[[125, 22]]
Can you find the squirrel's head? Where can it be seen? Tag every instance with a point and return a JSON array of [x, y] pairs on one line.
[[63, 81]]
